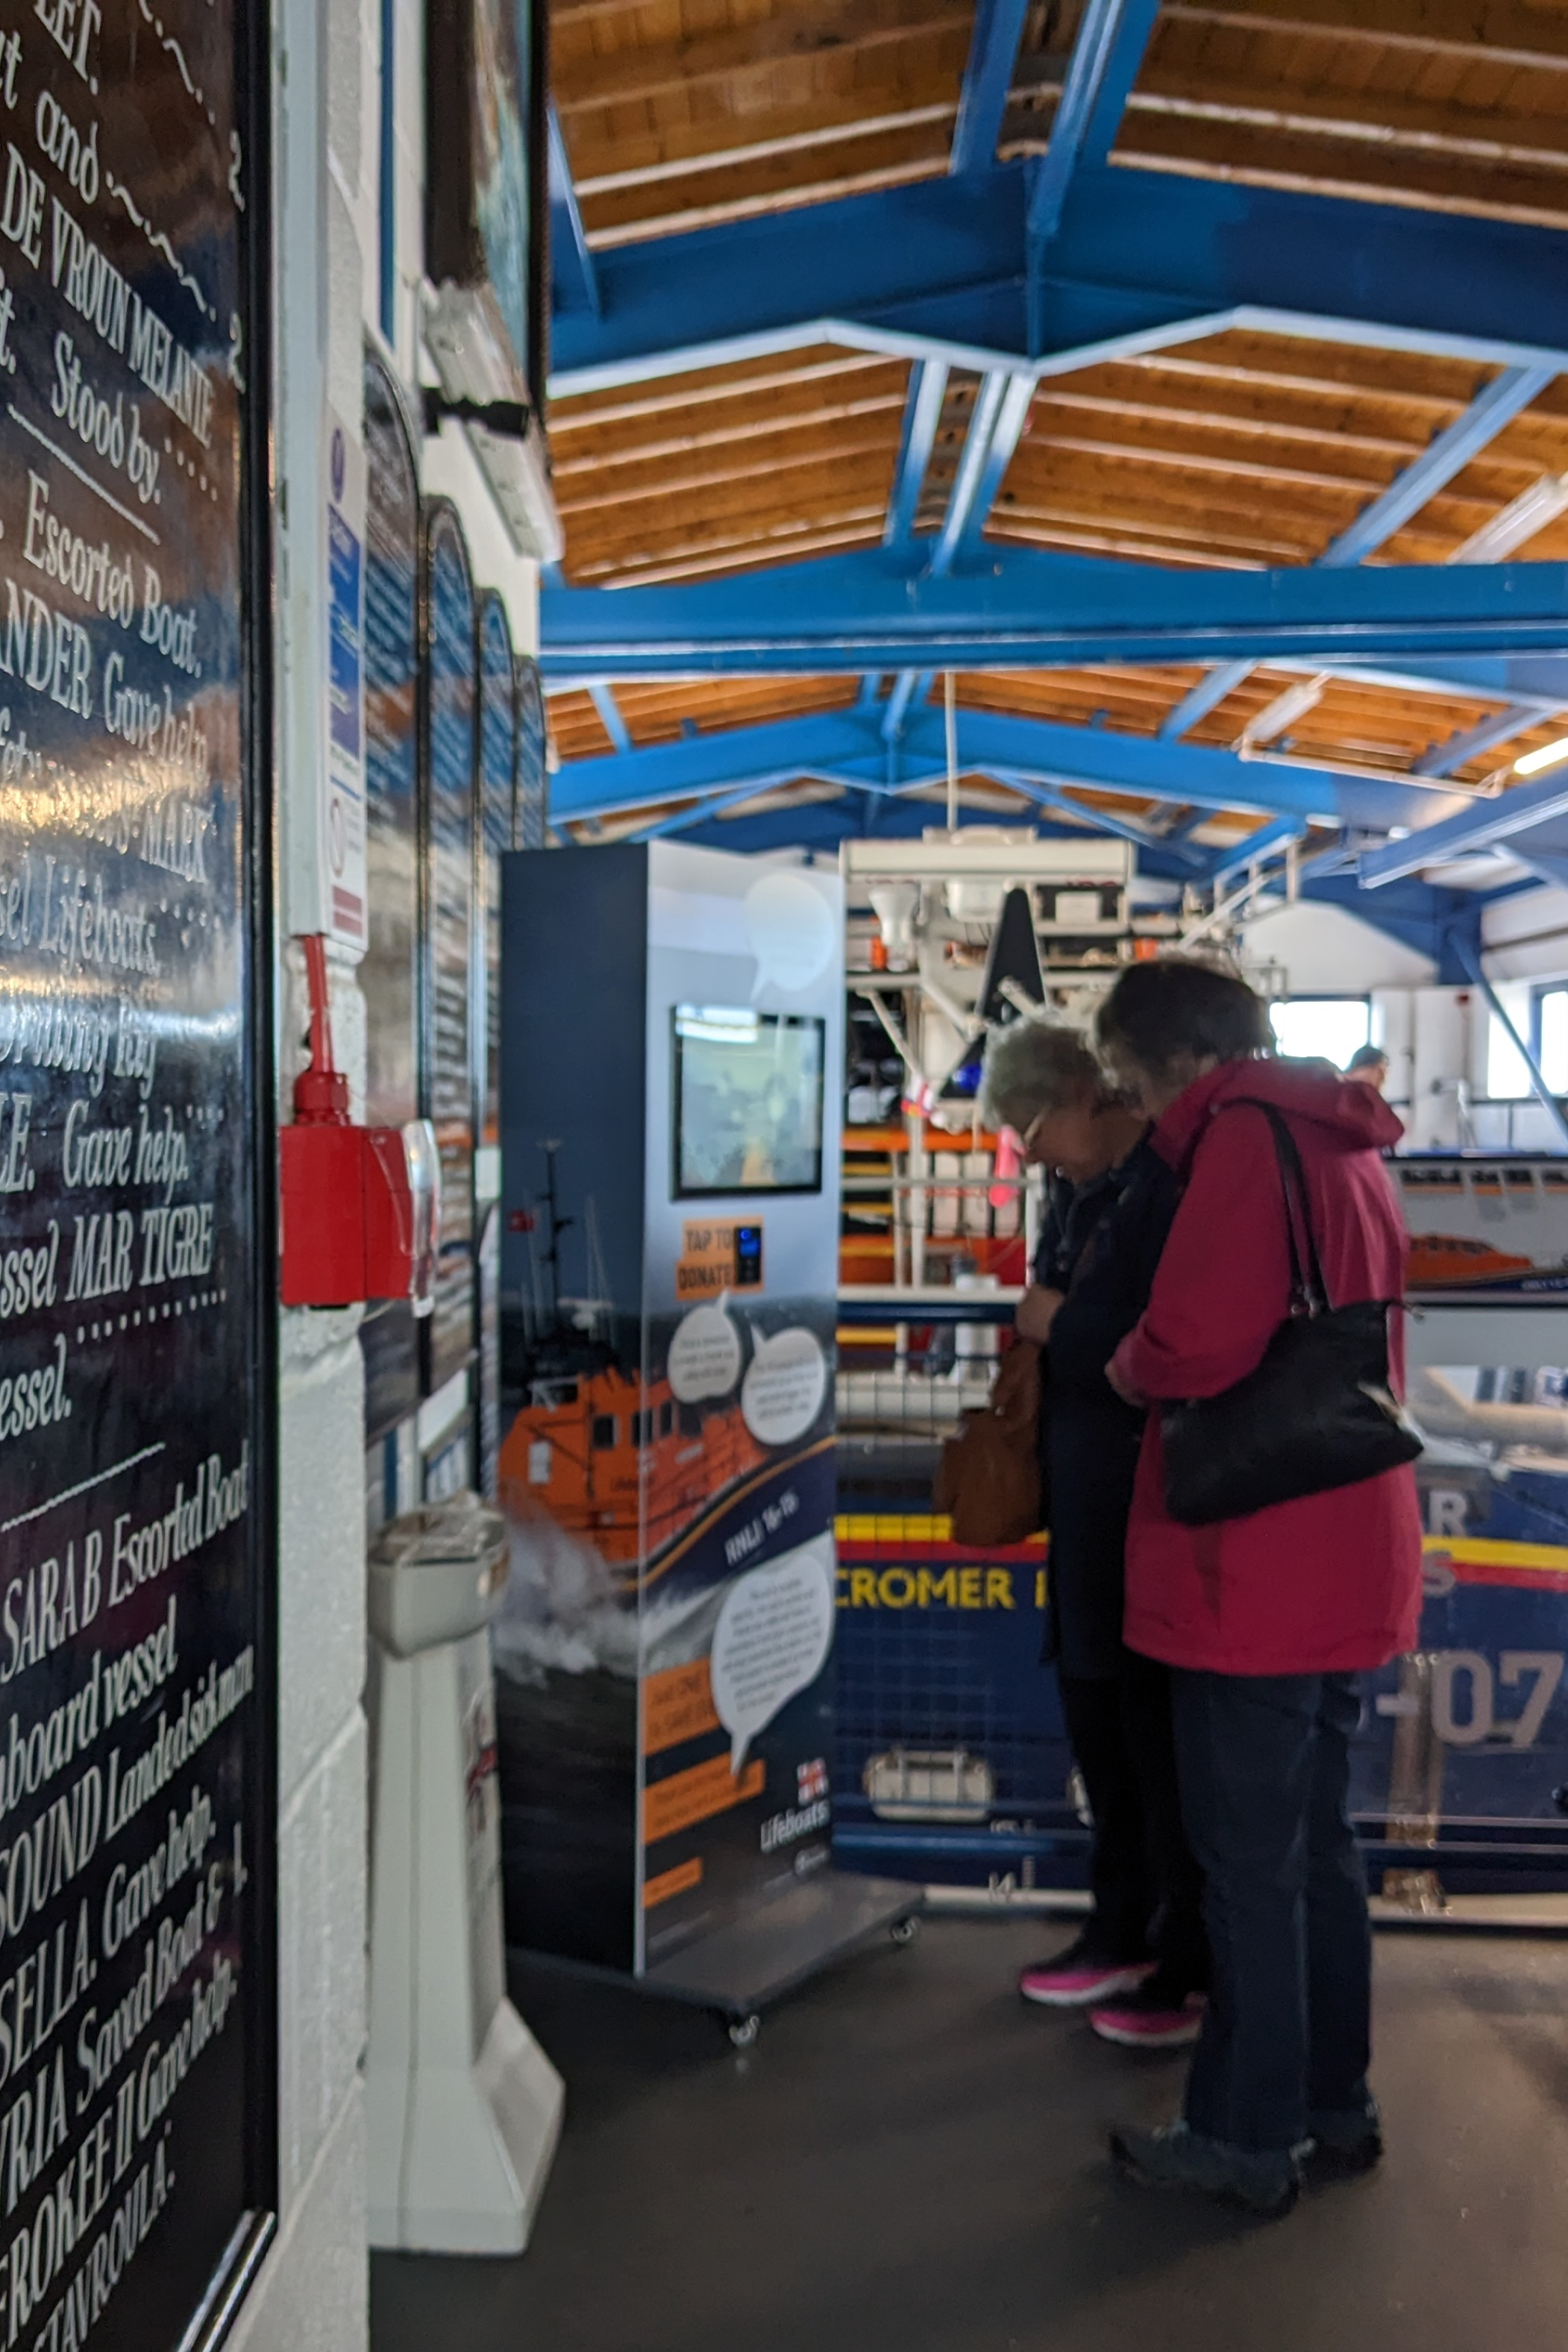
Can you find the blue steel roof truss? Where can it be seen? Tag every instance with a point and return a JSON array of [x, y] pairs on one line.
[[1020, 271]]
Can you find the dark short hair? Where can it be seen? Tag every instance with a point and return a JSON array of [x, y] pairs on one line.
[[1158, 1011], [1367, 1057]]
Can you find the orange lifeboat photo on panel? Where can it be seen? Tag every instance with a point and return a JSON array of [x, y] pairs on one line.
[[623, 1466], [1445, 1261]]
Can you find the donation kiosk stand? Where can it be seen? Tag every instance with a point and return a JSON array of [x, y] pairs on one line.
[[672, 1050], [462, 2107]]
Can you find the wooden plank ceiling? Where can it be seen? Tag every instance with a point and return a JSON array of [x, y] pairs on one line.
[[1247, 450]]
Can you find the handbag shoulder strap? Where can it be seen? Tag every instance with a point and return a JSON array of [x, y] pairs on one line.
[[1309, 1290]]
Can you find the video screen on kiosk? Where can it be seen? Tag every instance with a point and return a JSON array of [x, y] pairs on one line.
[[748, 1102]]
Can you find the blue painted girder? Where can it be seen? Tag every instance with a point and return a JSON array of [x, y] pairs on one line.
[[1493, 408], [1434, 922], [1140, 259], [573, 280], [1023, 608], [988, 77], [1448, 454], [822, 824], [1112, 36], [1510, 817], [847, 747], [1540, 679]]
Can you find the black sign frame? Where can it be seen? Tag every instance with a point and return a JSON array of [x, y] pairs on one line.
[[209, 2319], [253, 66]]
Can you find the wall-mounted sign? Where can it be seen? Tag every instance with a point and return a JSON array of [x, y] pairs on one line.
[[137, 1854], [389, 975], [492, 839], [342, 849], [446, 861]]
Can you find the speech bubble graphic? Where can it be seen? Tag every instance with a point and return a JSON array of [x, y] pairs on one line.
[[784, 1388], [772, 1640], [704, 1354], [793, 932]]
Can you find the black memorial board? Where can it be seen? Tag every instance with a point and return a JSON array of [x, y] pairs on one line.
[[138, 2161], [492, 837], [389, 973], [533, 784], [446, 874]]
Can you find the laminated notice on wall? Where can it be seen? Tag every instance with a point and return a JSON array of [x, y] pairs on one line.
[[343, 816]]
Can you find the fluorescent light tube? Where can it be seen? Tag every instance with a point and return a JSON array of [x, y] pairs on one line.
[[1551, 755], [1529, 512]]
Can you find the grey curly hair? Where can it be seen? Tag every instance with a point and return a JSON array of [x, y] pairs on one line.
[[1033, 1067]]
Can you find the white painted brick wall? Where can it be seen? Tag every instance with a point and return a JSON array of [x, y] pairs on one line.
[[314, 2293], [321, 1955], [311, 2295]]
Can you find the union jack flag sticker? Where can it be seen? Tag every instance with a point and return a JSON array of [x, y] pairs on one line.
[[811, 1780]]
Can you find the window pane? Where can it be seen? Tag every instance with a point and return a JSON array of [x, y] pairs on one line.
[[1507, 1077], [1323, 1028], [1555, 1040]]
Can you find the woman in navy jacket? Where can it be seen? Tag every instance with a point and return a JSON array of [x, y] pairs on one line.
[[1142, 1956]]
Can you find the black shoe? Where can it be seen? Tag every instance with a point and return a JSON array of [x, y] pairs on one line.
[[1262, 2182], [1342, 2148]]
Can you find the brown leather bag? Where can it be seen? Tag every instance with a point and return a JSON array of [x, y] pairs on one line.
[[988, 1480]]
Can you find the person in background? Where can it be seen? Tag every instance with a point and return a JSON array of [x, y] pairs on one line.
[[1140, 1958], [1265, 1622], [1370, 1064]]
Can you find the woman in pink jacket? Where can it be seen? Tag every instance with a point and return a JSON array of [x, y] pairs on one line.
[[1267, 1620]]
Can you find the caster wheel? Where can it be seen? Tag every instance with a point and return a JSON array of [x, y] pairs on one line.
[[743, 2031], [904, 1931]]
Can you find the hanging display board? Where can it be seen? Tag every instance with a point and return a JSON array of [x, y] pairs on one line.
[[493, 836], [532, 782], [446, 865], [389, 974], [137, 1851], [486, 202]]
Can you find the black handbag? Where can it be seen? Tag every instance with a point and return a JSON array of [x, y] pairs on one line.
[[1318, 1412]]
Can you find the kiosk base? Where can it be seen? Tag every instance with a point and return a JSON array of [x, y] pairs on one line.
[[740, 1970], [743, 1969]]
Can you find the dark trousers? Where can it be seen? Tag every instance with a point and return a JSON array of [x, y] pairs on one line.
[[1264, 1767], [1146, 1884]]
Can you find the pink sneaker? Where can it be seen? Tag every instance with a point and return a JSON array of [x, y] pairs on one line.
[[1150, 2019], [1080, 1974]]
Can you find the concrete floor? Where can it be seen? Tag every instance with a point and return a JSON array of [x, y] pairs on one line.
[[911, 2160]]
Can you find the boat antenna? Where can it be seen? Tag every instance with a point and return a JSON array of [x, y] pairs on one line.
[[558, 1224]]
